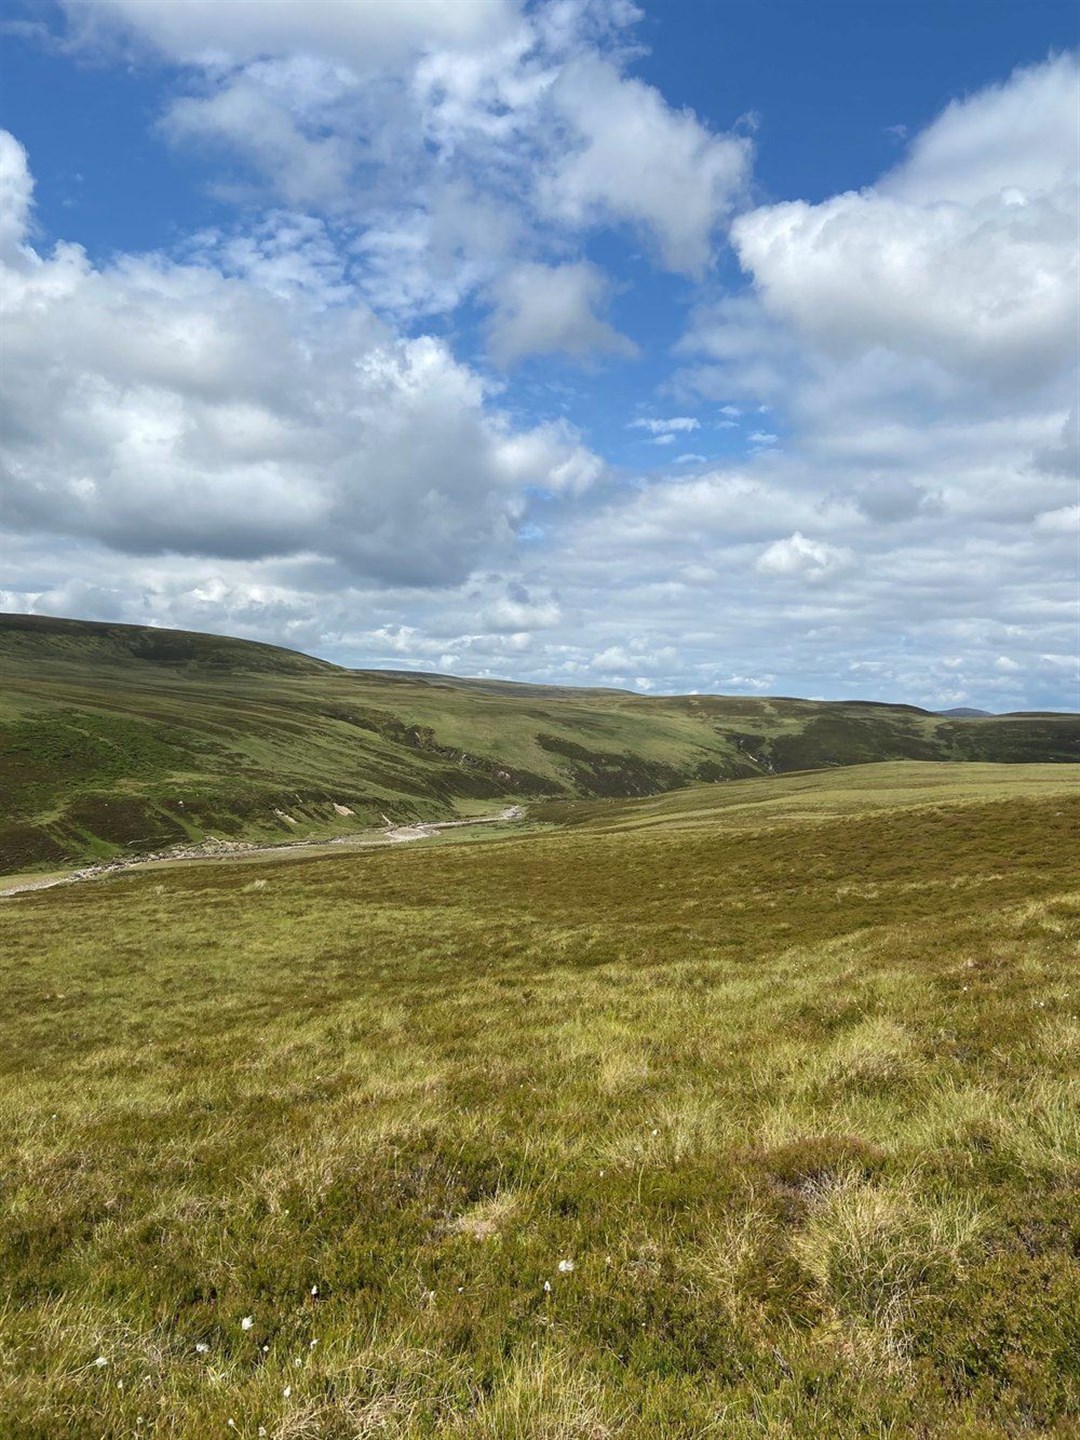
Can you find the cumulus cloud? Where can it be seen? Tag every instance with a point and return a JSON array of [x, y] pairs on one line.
[[383, 113], [1065, 521], [919, 339], [549, 309], [157, 406], [16, 196], [1015, 138], [550, 455], [637, 160], [988, 290], [800, 558], [518, 611], [965, 257], [372, 32]]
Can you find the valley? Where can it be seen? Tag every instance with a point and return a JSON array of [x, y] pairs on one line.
[[118, 740]]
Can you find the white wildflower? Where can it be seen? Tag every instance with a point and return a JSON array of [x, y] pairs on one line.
[[288, 1391], [547, 1287], [314, 1289], [201, 1348], [247, 1322], [312, 1344], [566, 1267], [100, 1361]]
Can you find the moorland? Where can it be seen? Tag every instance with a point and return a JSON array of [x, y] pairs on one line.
[[745, 1110]]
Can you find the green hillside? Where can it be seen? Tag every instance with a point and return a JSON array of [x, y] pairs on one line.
[[122, 739]]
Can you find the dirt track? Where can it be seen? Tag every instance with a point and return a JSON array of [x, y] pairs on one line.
[[242, 850]]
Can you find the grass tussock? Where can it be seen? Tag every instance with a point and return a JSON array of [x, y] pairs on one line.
[[874, 1251], [743, 1125]]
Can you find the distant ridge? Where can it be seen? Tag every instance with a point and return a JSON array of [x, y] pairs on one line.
[[962, 712], [50, 638], [123, 739]]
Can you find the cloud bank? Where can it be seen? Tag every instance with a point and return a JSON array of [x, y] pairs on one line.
[[281, 428]]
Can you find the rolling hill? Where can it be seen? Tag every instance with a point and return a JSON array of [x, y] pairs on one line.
[[118, 739]]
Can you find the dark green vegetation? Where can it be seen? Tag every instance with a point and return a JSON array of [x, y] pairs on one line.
[[785, 1068], [120, 740]]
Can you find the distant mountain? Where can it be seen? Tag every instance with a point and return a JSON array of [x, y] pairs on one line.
[[962, 712], [120, 739]]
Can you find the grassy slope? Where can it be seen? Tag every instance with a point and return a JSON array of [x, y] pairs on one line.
[[787, 1079], [118, 739]]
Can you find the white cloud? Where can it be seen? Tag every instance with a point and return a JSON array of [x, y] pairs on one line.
[[518, 611], [259, 111], [427, 259], [366, 33], [740, 350], [699, 516], [1016, 138], [1063, 457], [759, 684], [16, 197], [548, 309], [160, 407], [920, 339], [988, 290], [964, 258], [387, 113], [635, 159], [1065, 521], [551, 455], [678, 424], [797, 557], [289, 255]]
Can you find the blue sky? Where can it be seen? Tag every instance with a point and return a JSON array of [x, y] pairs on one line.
[[719, 346]]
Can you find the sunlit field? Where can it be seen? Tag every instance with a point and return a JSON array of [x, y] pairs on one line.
[[745, 1111]]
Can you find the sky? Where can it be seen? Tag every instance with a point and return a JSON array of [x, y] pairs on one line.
[[680, 347]]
